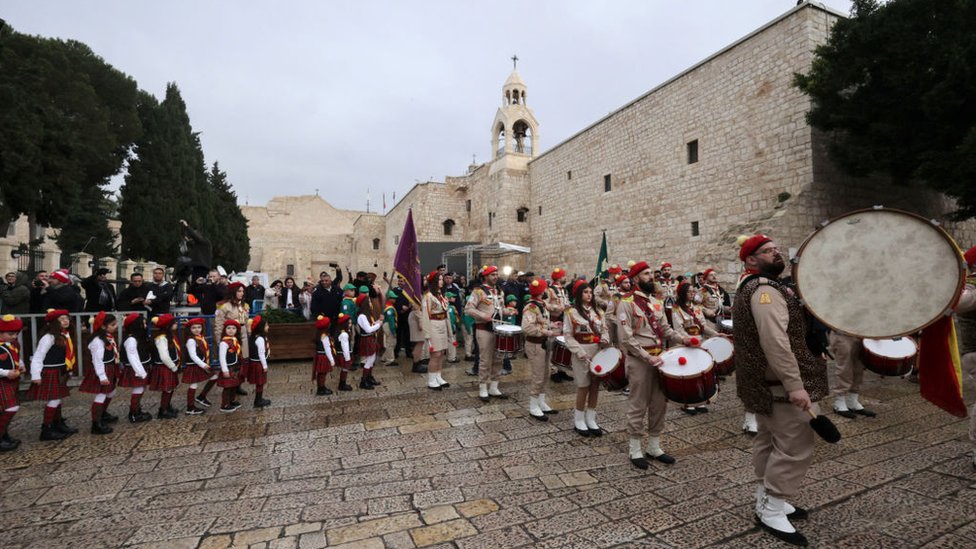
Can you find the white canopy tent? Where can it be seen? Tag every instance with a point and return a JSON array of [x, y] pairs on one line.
[[494, 250]]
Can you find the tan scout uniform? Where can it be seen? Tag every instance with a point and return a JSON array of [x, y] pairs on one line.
[[603, 295], [848, 368], [772, 359], [485, 305], [583, 337], [536, 326], [434, 322], [556, 301], [713, 305], [692, 323], [966, 322], [643, 332]]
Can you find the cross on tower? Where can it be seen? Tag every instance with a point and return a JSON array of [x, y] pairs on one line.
[[514, 62]]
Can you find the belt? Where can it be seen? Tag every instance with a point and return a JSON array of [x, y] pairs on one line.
[[587, 339], [653, 351], [536, 340], [438, 316], [366, 335], [52, 366], [485, 326], [693, 330]]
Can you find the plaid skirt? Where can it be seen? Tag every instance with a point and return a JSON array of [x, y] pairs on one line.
[[321, 365], [366, 345], [162, 378], [342, 363], [193, 373], [254, 373], [233, 381], [53, 385], [128, 378], [91, 384], [8, 393]]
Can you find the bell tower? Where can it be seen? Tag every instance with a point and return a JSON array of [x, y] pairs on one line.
[[514, 131]]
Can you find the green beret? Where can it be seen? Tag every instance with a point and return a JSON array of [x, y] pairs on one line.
[[363, 289], [348, 287]]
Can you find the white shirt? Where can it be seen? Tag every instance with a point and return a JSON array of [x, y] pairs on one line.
[[37, 360], [97, 348], [259, 343], [344, 345], [327, 345], [191, 351], [366, 327], [132, 351], [162, 347]]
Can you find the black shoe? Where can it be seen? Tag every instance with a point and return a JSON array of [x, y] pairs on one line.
[[372, 381], [9, 439], [99, 428], [8, 446], [419, 368], [229, 408], [445, 385], [701, 410], [555, 378], [109, 418], [455, 361], [202, 401], [799, 513], [49, 432], [469, 358], [241, 391], [425, 361], [564, 376], [323, 391], [139, 417], [364, 384], [845, 413], [166, 414], [438, 388], [194, 411], [796, 538], [485, 399], [582, 432], [865, 412], [663, 458], [63, 427], [471, 372], [596, 432], [543, 417], [345, 387], [640, 463], [261, 402], [690, 411]]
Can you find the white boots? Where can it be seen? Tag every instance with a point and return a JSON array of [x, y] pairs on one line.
[[483, 392], [544, 406], [773, 515], [749, 425], [591, 426], [579, 423], [535, 410], [432, 382], [654, 450], [854, 405], [486, 390], [493, 390]]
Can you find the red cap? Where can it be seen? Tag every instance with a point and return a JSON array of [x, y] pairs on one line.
[[638, 268], [970, 256], [665, 264], [342, 318], [98, 321], [61, 276], [577, 284], [487, 270], [614, 269], [751, 244], [232, 322], [55, 313], [233, 286], [254, 321], [558, 273], [192, 322], [132, 317], [360, 298], [10, 323], [683, 283], [707, 272], [537, 287], [620, 278], [432, 276], [163, 321], [322, 322]]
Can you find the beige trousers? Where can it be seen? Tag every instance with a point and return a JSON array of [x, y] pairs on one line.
[[538, 367], [488, 368], [783, 449], [468, 341], [848, 368], [646, 399], [389, 342]]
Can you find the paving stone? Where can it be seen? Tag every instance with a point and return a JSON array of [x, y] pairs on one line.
[[433, 498], [289, 542], [249, 537], [507, 537], [438, 514], [445, 531], [477, 507], [171, 530], [372, 528], [302, 528]]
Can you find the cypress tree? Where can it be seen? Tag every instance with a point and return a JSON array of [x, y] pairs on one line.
[[231, 245]]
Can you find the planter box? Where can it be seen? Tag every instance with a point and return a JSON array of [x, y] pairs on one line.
[[292, 341]]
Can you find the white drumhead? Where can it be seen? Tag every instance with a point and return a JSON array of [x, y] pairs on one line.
[[605, 361], [561, 340], [720, 348], [879, 273], [727, 324], [508, 329], [697, 360], [903, 347]]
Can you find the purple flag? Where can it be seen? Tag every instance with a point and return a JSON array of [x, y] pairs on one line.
[[406, 263]]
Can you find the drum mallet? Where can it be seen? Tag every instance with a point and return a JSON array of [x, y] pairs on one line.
[[824, 427]]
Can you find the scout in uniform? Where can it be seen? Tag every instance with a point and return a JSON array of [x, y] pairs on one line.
[[163, 376], [436, 327], [51, 363], [324, 355], [11, 368], [101, 378], [197, 369], [688, 320], [137, 358], [585, 331], [538, 329], [606, 288], [485, 307], [389, 329], [256, 366], [779, 379]]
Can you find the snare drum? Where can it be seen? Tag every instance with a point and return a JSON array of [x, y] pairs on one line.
[[889, 357], [606, 362], [723, 353], [508, 339], [561, 356], [725, 326], [687, 375], [616, 380]]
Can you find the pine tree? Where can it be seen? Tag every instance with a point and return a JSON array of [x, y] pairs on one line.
[[86, 229], [231, 245]]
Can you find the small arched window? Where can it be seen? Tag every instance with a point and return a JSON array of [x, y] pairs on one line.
[[448, 227], [376, 243], [521, 214]]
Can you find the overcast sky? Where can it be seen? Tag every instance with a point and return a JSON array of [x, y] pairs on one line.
[[296, 96]]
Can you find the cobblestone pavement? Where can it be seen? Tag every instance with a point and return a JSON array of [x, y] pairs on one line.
[[403, 466]]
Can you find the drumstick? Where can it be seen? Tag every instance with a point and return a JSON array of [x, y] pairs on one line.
[[824, 427]]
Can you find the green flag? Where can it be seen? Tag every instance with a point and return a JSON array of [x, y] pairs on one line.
[[601, 262]]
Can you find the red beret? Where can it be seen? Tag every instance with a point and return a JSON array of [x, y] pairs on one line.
[[254, 321], [132, 317], [970, 256], [432, 276], [10, 323], [360, 298], [665, 265], [232, 322], [619, 279], [707, 272], [751, 244], [233, 286], [342, 318], [637, 268], [163, 321], [577, 284], [55, 313], [614, 269], [558, 273], [537, 287], [98, 321], [322, 323], [487, 270], [193, 321], [683, 283]]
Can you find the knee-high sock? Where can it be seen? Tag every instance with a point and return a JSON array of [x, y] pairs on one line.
[[207, 387], [191, 396], [165, 399], [320, 380], [226, 396], [50, 414], [96, 411], [258, 391], [5, 418]]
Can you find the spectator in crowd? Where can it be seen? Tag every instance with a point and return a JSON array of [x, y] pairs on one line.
[[208, 292], [38, 295], [60, 294], [99, 294], [15, 294], [327, 295], [305, 298], [254, 292], [289, 296], [162, 291], [133, 297], [272, 296]]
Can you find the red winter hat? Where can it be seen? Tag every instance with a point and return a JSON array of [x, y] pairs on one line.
[[577, 284], [750, 244], [614, 269], [163, 321], [970, 256], [61, 276], [10, 323], [638, 268], [132, 317], [322, 323], [55, 313], [98, 321], [432, 277], [558, 273], [487, 270], [537, 287], [193, 321]]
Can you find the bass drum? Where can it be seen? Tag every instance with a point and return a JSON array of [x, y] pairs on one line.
[[859, 260], [687, 376]]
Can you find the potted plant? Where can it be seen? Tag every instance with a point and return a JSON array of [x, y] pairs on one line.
[[292, 337]]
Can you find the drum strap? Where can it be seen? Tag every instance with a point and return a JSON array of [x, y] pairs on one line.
[[645, 306]]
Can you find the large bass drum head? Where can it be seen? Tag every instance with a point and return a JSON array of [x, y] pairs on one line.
[[879, 273]]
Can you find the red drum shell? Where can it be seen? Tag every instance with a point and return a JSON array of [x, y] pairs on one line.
[[615, 380], [885, 365], [561, 356], [508, 339], [693, 385]]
